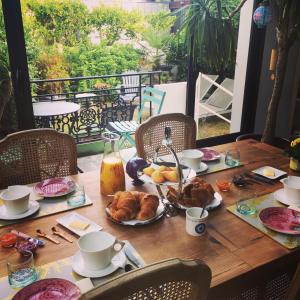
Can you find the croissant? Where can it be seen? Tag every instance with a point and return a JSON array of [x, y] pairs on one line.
[[124, 206], [149, 205], [133, 205]]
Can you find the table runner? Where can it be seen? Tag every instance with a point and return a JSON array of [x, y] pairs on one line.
[[213, 166], [218, 165], [50, 206], [260, 203], [60, 269]]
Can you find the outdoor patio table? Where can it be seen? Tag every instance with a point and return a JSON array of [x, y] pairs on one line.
[[56, 114], [237, 253]]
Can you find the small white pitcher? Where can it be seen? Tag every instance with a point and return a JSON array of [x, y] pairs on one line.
[[291, 186]]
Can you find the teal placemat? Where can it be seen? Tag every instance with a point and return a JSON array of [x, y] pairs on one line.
[[59, 269], [218, 165], [260, 203], [50, 206]]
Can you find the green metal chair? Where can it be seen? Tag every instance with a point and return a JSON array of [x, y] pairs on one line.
[[126, 129]]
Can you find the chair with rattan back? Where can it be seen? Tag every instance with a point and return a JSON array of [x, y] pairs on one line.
[[34, 155], [170, 280], [150, 134]]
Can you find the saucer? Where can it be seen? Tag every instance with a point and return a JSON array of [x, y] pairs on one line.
[[203, 167], [78, 266], [280, 196], [33, 207]]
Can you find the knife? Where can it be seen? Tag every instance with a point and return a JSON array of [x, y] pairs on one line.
[[131, 254], [259, 178]]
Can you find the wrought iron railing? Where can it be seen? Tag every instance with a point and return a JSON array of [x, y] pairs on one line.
[[100, 103]]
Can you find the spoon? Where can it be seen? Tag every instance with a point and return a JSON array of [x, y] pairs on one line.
[[46, 236], [61, 234]]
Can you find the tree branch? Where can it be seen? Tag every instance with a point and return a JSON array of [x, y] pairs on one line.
[[237, 9]]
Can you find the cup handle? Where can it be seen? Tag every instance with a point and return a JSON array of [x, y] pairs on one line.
[[117, 247]]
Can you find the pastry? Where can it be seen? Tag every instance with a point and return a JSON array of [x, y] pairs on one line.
[[170, 175], [149, 205], [133, 205], [197, 193], [158, 177], [124, 206]]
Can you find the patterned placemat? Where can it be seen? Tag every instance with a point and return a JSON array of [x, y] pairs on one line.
[[50, 206], [260, 203], [59, 269], [218, 165]]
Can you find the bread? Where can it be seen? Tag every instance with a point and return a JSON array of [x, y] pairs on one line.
[[124, 206], [133, 205], [197, 193], [149, 205]]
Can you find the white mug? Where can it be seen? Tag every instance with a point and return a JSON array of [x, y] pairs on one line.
[[192, 158], [291, 186], [196, 225], [98, 248], [16, 199]]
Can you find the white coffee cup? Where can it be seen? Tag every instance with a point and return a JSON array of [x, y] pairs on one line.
[[98, 248], [196, 225], [291, 186], [192, 158], [16, 199]]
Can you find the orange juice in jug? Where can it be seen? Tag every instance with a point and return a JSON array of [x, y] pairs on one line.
[[112, 176]]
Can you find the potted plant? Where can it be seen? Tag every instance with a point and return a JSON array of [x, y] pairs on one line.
[[294, 153]]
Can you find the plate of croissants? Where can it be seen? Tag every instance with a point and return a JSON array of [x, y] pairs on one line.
[[135, 208], [164, 174], [197, 193]]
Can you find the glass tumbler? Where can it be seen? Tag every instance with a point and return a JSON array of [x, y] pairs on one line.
[[21, 270], [78, 198], [232, 158], [245, 203]]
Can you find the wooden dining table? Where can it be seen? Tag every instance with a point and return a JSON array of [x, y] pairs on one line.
[[232, 248]]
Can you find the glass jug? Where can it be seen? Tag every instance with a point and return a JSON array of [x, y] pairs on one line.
[[112, 176]]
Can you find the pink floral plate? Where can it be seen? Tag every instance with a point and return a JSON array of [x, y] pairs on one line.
[[209, 154], [52, 288], [281, 219], [55, 187]]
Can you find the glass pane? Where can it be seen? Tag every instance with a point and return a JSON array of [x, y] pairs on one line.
[[102, 54]]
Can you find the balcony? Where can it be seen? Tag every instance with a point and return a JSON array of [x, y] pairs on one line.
[[102, 99]]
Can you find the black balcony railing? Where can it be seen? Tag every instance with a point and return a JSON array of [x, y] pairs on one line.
[[100, 101]]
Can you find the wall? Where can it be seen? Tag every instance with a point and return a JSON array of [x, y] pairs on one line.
[[287, 102], [175, 97]]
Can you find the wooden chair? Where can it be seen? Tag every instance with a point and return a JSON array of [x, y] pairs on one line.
[[171, 279], [150, 134], [34, 155], [293, 292], [278, 142], [127, 128]]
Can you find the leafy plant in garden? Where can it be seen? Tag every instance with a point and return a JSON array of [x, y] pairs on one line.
[[113, 23], [61, 21], [52, 65], [157, 34], [89, 60], [176, 55], [210, 37]]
